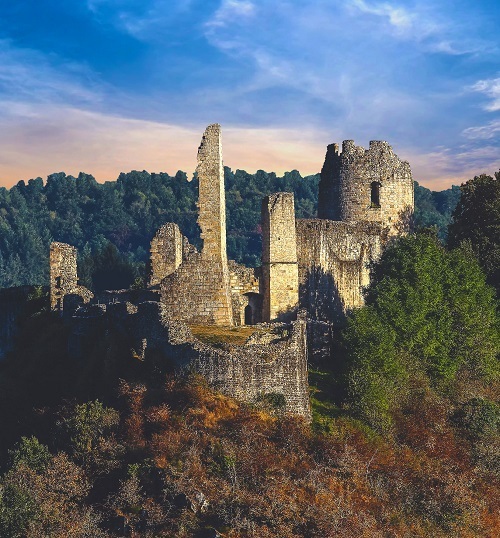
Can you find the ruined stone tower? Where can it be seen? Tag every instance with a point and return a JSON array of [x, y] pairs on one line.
[[361, 185], [212, 197], [280, 280], [199, 290], [64, 275]]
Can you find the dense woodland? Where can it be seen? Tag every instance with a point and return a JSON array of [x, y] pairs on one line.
[[405, 432], [113, 223]]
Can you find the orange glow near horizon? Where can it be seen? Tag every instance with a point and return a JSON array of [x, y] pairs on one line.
[[72, 140]]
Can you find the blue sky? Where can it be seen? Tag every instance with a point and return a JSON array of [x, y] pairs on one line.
[[105, 86]]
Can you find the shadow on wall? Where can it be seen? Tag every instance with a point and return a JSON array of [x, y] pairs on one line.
[[320, 296], [286, 316], [406, 221]]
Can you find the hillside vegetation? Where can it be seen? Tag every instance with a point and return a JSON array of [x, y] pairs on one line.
[[404, 439]]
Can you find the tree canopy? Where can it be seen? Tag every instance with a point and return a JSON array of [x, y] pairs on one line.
[[429, 313], [476, 219]]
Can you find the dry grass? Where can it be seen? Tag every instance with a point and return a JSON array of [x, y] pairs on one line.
[[210, 334]]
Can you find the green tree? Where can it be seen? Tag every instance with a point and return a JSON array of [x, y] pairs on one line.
[[429, 313], [477, 219], [30, 452]]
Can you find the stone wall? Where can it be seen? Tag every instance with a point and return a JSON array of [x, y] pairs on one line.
[[279, 283], [64, 276], [366, 185], [166, 252], [274, 365], [333, 262], [198, 292]]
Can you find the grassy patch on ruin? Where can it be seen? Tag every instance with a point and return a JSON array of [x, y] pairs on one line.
[[215, 336]]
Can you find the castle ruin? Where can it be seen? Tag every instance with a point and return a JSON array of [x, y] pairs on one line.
[[313, 272]]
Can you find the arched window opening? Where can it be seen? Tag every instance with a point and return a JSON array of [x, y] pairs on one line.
[[375, 194]]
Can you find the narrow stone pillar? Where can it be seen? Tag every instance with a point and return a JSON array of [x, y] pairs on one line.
[[212, 221], [280, 278], [212, 198]]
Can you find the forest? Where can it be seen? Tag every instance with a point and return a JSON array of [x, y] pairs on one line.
[[112, 224], [405, 431]]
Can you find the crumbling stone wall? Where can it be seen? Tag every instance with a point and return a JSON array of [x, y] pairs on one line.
[[280, 289], [255, 370], [276, 364], [199, 290], [63, 275], [245, 294], [166, 252], [366, 185], [333, 260]]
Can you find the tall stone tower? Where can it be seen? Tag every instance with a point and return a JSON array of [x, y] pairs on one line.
[[366, 185], [212, 197], [198, 291], [280, 278]]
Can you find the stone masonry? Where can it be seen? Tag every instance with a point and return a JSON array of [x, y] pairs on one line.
[[166, 252], [280, 280], [333, 264], [199, 290], [64, 276], [272, 362], [212, 195], [366, 185]]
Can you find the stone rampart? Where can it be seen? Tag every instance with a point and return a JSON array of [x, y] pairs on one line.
[[276, 365]]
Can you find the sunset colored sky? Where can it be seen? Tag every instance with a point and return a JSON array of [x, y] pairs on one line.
[[105, 86]]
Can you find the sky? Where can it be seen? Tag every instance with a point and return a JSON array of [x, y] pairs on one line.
[[109, 86]]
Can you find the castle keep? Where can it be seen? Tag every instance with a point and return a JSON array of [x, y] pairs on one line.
[[313, 272]]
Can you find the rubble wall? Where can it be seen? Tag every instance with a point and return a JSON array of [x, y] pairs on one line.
[[64, 276]]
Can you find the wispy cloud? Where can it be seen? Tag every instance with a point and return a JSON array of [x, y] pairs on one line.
[[146, 20], [490, 88], [447, 165], [423, 23], [30, 75], [484, 132], [400, 18], [231, 12]]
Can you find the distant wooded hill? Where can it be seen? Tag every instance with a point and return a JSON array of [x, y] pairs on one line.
[[112, 223]]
